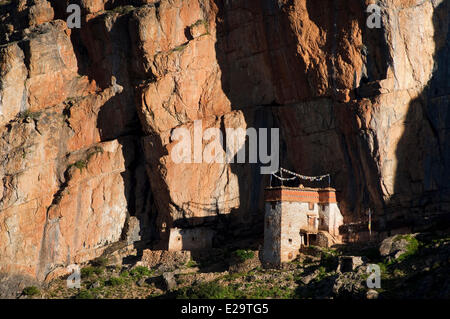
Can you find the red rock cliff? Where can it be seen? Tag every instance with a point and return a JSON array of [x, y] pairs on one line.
[[87, 114]]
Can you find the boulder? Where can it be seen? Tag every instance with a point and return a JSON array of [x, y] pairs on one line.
[[350, 284], [310, 277], [395, 246], [372, 294], [169, 280], [40, 12]]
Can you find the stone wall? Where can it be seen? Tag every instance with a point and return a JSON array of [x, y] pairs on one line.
[[330, 218], [272, 231], [283, 221], [190, 239], [294, 217]]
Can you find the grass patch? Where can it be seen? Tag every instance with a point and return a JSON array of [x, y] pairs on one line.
[[115, 281], [234, 276], [322, 273], [28, 114], [191, 263], [199, 22], [211, 290], [95, 150], [85, 294], [31, 291], [123, 9], [411, 249], [243, 255], [179, 48], [140, 272], [384, 269], [329, 260], [214, 290], [81, 164]]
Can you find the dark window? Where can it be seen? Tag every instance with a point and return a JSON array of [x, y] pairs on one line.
[[311, 206], [290, 241]]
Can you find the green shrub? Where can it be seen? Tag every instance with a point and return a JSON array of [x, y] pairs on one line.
[[322, 273], [100, 262], [200, 22], [123, 9], [92, 152], [116, 281], [384, 269], [329, 261], [84, 294], [31, 291], [140, 272], [88, 271], [79, 164], [243, 255]]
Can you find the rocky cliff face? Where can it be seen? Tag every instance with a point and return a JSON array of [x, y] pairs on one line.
[[87, 115]]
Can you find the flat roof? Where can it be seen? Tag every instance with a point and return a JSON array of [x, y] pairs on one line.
[[297, 194], [304, 189]]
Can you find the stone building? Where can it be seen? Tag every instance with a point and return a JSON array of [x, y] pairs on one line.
[[190, 239], [297, 217]]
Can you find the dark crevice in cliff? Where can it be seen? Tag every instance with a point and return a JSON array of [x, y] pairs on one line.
[[424, 148], [376, 54], [103, 53]]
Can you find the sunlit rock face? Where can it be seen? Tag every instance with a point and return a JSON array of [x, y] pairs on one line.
[[87, 117], [349, 100]]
